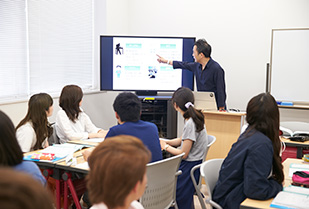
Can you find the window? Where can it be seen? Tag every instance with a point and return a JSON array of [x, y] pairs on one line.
[[47, 45]]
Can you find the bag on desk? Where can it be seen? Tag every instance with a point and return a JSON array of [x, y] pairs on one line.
[[300, 178]]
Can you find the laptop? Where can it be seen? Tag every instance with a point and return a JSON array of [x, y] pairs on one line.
[[205, 100]]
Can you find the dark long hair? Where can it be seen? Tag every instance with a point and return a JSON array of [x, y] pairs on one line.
[[182, 96], [10, 151], [263, 115], [37, 107], [70, 97]]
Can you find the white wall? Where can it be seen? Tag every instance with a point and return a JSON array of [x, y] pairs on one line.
[[239, 32]]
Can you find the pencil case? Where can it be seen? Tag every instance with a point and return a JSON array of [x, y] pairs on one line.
[[301, 178]]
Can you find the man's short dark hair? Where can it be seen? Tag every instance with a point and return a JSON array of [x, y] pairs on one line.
[[128, 107], [203, 47]]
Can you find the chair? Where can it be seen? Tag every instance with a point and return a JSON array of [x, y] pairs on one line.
[[53, 139], [162, 176], [210, 172], [211, 140]]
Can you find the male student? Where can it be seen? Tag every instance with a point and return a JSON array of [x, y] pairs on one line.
[[208, 73], [127, 109]]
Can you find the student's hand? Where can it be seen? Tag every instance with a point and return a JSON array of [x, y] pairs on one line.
[[161, 59], [86, 153], [102, 133], [162, 143]]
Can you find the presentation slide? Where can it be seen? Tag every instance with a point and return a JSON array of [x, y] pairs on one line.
[[135, 63]]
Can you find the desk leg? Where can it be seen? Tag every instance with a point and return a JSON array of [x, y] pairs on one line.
[[58, 197], [68, 183], [65, 195], [299, 152]]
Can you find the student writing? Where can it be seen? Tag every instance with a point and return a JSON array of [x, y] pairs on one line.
[[193, 143]]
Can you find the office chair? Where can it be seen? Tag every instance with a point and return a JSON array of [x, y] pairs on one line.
[[162, 176], [210, 172], [211, 141]]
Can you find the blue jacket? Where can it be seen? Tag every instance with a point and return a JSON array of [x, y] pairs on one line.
[[209, 79], [245, 172], [145, 131]]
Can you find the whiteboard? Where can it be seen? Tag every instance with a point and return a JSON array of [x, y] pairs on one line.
[[290, 65]]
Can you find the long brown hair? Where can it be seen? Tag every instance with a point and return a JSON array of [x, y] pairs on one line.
[[116, 165], [69, 100], [263, 115], [37, 107], [182, 96]]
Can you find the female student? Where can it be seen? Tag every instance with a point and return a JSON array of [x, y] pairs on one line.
[[10, 152], [33, 131], [253, 166], [193, 144], [117, 176], [71, 122]]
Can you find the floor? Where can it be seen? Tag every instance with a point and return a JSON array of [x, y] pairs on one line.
[[197, 204]]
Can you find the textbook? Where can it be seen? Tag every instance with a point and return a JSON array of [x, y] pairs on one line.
[[57, 151], [292, 197], [296, 135]]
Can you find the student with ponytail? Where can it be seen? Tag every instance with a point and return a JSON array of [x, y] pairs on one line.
[[253, 166], [33, 131], [193, 143]]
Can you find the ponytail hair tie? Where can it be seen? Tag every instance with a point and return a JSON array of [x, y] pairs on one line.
[[188, 104]]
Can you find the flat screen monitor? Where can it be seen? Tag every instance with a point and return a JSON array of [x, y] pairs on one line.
[[130, 63]]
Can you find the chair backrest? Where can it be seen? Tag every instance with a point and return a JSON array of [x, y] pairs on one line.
[[160, 191], [211, 140], [210, 172], [53, 139]]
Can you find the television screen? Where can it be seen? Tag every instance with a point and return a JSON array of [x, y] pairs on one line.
[[130, 63]]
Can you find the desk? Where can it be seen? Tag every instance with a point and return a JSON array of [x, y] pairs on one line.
[[226, 127], [66, 174], [300, 146], [70, 174], [250, 203]]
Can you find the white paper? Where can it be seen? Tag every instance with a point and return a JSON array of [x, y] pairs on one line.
[[290, 200]]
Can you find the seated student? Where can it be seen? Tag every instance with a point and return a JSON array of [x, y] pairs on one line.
[[71, 122], [33, 131], [19, 190], [127, 109], [193, 143], [10, 151], [253, 166], [117, 176]]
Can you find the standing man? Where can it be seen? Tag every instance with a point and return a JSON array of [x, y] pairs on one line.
[[208, 73]]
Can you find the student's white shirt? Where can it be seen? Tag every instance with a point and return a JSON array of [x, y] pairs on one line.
[[26, 137], [68, 130], [134, 205]]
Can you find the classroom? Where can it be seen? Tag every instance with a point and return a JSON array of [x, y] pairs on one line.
[[239, 32]]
